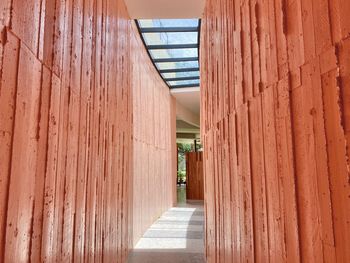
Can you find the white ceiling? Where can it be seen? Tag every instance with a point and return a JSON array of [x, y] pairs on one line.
[[189, 98], [180, 124], [175, 9]]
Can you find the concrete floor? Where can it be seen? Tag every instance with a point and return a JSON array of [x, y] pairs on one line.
[[176, 237]]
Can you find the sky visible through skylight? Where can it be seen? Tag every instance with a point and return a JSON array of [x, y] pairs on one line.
[[172, 38]]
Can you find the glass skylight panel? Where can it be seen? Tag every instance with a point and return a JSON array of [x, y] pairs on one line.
[[172, 65], [145, 23], [181, 74], [170, 38], [173, 46], [174, 53], [183, 82]]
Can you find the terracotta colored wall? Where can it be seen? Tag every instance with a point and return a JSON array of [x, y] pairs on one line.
[[66, 130], [154, 128], [194, 176], [174, 153], [275, 125]]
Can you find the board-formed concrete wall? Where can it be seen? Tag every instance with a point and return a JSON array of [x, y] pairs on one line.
[[65, 122], [154, 152], [275, 88], [66, 148]]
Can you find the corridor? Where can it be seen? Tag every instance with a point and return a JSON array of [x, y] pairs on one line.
[[115, 113], [177, 236]]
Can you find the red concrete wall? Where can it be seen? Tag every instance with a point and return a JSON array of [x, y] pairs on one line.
[[154, 140], [276, 124], [67, 73], [174, 153], [194, 176]]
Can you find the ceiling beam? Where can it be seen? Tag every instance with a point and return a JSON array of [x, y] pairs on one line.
[[186, 115], [176, 70], [184, 86], [177, 46], [182, 79], [168, 29], [188, 136], [170, 60]]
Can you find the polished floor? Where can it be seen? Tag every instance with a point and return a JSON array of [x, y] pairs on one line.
[[176, 237]]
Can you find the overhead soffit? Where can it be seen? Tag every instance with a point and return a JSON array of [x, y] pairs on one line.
[[180, 124], [189, 98], [165, 9]]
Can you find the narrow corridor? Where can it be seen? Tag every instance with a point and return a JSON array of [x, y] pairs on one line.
[[115, 113], [177, 236]]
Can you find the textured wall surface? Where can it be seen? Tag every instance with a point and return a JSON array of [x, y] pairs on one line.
[[66, 132], [275, 88], [194, 176], [65, 122], [154, 128]]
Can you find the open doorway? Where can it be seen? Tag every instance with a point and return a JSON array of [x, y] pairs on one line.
[[190, 171], [182, 149]]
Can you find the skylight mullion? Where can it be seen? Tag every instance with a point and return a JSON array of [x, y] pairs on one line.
[[167, 60], [168, 29], [184, 86], [178, 70], [182, 78], [176, 46]]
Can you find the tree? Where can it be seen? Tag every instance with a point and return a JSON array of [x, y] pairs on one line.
[[183, 148]]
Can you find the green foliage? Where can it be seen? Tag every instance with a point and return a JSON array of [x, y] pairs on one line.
[[199, 147], [181, 176], [184, 148]]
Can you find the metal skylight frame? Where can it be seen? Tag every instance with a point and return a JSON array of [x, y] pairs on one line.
[[170, 59]]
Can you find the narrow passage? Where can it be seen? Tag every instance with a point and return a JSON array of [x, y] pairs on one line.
[[177, 236]]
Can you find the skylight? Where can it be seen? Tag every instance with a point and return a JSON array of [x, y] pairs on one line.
[[173, 46]]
